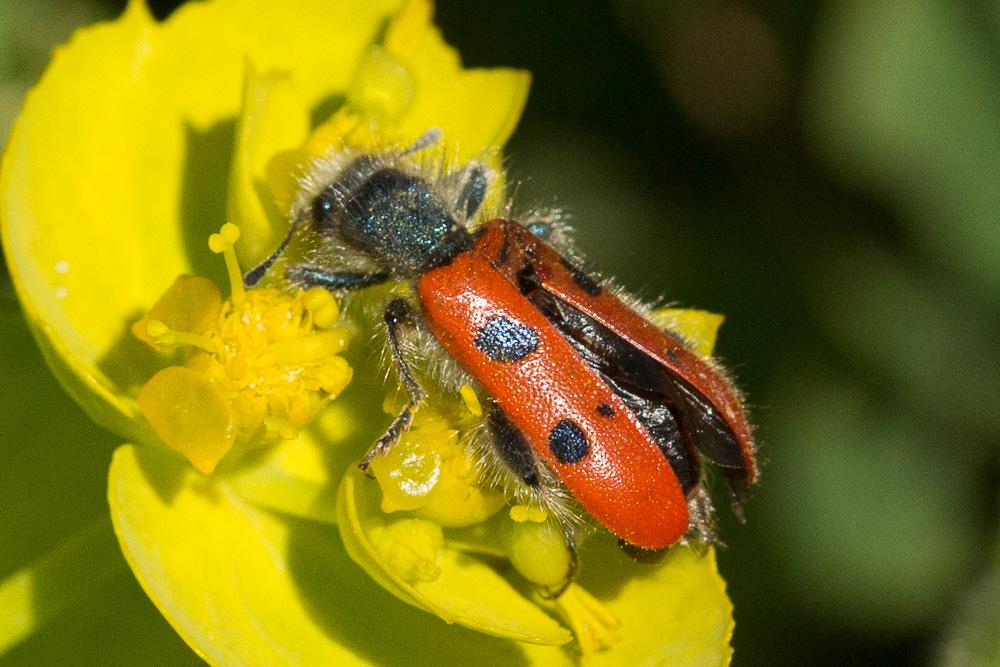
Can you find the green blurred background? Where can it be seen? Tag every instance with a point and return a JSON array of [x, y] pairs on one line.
[[827, 174]]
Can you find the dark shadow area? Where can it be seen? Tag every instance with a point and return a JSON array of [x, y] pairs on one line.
[[605, 569], [111, 622], [207, 161], [369, 620], [129, 362], [55, 460], [326, 108], [164, 470], [160, 9]]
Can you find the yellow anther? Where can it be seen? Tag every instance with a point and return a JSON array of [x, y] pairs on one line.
[[333, 375], [533, 513], [157, 329], [230, 233], [324, 317], [322, 306], [223, 243], [166, 337], [305, 349], [471, 401]]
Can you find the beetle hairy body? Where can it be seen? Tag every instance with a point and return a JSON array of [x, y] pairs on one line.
[[586, 398]]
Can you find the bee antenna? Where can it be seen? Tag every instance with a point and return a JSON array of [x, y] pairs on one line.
[[428, 138], [254, 275]]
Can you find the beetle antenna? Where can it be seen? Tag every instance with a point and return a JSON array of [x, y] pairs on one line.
[[430, 137], [254, 275]]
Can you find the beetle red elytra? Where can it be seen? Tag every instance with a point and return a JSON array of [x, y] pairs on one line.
[[583, 392]]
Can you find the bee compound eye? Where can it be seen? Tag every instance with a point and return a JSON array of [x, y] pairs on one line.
[[324, 210]]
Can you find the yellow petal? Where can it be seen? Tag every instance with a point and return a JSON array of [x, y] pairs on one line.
[[190, 305], [409, 548], [300, 477], [477, 108], [190, 415], [274, 120], [383, 88], [116, 170], [248, 587], [697, 327], [483, 107], [466, 592], [674, 613]]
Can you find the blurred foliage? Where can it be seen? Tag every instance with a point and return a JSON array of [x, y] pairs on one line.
[[825, 173], [28, 31]]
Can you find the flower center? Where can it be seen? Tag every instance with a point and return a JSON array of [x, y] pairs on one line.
[[269, 358]]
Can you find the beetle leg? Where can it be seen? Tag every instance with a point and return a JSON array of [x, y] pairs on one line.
[[702, 518], [397, 313], [307, 276]]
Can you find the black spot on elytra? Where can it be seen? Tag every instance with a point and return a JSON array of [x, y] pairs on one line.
[[505, 339], [568, 442], [672, 356], [583, 281], [605, 410]]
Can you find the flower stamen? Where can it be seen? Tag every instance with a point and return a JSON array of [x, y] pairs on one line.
[[166, 337], [223, 243], [265, 360]]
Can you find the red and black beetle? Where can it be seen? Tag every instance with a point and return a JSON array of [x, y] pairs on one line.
[[583, 390]]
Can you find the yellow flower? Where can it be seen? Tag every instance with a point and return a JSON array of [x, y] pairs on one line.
[[260, 366], [141, 140]]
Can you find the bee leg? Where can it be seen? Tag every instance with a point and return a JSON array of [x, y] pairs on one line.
[[475, 181], [307, 276], [515, 452], [397, 313]]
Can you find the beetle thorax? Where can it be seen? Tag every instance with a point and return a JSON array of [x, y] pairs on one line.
[[395, 218]]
